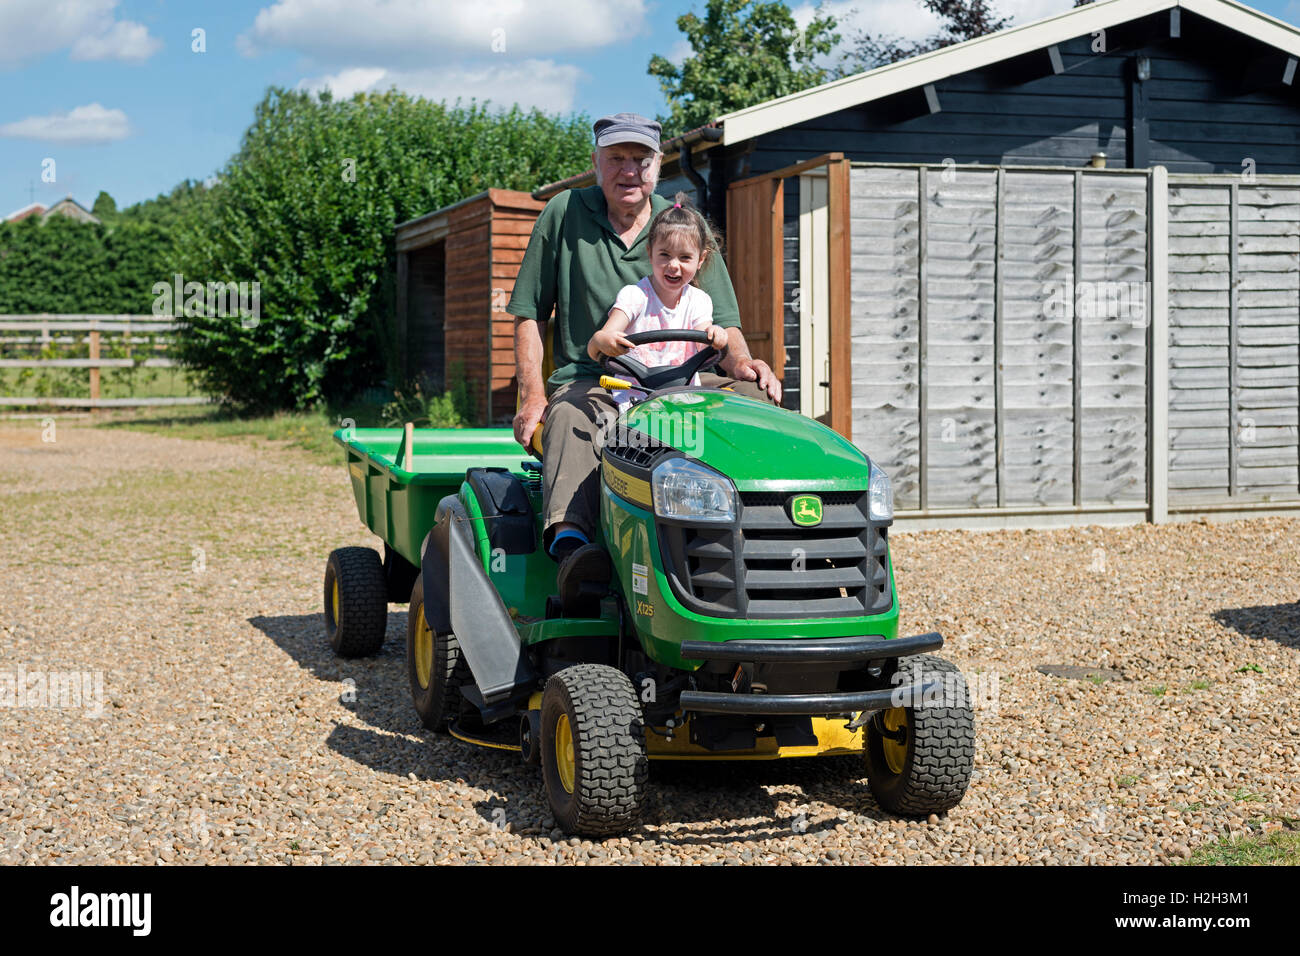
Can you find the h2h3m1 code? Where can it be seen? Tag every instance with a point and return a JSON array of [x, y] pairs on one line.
[[1160, 899]]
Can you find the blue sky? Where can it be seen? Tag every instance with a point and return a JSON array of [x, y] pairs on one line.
[[113, 93]]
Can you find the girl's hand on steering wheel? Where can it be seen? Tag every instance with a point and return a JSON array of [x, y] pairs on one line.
[[717, 337], [609, 343]]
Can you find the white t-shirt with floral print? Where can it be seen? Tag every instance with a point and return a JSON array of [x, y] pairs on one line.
[[647, 313]]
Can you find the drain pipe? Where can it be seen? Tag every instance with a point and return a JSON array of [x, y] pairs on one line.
[[711, 134]]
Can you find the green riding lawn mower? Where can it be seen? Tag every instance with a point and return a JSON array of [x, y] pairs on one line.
[[751, 613]]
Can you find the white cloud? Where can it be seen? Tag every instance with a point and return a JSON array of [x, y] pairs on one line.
[[33, 28], [911, 20], [124, 40], [410, 32], [84, 125], [542, 83]]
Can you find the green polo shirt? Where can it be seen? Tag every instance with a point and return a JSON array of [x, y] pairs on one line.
[[576, 264]]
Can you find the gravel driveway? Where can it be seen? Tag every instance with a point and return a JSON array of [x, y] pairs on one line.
[[185, 576]]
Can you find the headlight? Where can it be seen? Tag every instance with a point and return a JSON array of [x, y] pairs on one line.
[[688, 490], [880, 496]]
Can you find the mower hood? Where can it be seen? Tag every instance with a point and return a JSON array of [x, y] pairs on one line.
[[759, 446]]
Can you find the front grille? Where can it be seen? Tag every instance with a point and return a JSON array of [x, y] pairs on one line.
[[769, 567], [639, 456]]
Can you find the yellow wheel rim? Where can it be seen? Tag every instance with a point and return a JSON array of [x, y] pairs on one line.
[[334, 602], [423, 650], [895, 750], [564, 761]]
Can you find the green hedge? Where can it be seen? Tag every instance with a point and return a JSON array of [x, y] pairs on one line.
[[67, 266]]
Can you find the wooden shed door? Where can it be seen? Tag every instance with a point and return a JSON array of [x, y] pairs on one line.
[[754, 249]]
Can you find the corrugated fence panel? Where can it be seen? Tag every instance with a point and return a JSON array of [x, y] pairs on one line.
[[1000, 272], [1268, 393], [1037, 343], [1111, 306], [1198, 342], [886, 392], [960, 249], [1233, 428]]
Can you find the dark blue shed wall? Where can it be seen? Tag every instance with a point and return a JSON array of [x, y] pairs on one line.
[[1206, 112]]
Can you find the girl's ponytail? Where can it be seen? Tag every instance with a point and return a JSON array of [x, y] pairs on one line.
[[683, 216]]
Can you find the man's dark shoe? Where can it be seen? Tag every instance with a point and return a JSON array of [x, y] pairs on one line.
[[583, 580]]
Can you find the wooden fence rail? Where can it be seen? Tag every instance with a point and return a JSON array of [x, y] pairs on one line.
[[37, 329]]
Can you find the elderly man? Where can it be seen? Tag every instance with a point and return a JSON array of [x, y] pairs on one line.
[[586, 245]]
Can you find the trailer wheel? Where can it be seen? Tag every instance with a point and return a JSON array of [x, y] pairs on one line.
[[356, 602], [594, 761], [434, 664], [919, 758]]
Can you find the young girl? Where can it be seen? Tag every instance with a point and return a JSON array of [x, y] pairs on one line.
[[680, 245]]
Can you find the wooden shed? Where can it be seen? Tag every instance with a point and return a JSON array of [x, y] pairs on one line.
[[456, 268], [1050, 275]]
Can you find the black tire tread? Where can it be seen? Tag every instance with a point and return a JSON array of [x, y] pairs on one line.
[[612, 765], [363, 601], [944, 753]]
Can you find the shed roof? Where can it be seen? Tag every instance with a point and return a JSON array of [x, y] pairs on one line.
[[434, 226], [918, 71]]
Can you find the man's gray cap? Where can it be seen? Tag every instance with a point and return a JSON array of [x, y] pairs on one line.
[[627, 128]]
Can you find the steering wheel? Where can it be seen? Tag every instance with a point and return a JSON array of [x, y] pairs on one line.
[[666, 376]]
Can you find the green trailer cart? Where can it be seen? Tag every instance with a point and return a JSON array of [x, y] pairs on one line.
[[752, 612]]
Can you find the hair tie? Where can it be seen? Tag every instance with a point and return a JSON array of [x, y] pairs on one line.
[[677, 205]]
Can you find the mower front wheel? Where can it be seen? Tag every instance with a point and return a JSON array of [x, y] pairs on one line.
[[594, 761], [434, 664], [919, 759], [356, 602]]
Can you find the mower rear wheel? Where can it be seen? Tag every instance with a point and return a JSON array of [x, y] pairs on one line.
[[434, 666], [356, 602], [919, 759], [594, 761]]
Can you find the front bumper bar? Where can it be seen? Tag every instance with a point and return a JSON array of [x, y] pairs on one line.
[[836, 650], [833, 650], [851, 702]]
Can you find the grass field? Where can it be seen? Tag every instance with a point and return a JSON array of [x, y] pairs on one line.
[[114, 383], [310, 431]]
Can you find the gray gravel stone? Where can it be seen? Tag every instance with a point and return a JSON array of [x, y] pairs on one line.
[[188, 574]]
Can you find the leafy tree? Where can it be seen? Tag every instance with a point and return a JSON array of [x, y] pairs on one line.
[[105, 207], [961, 20], [744, 52], [167, 210], [306, 208]]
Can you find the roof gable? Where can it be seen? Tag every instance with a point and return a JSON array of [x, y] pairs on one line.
[[983, 51]]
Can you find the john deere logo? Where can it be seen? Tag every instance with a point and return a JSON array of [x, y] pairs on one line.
[[806, 510]]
